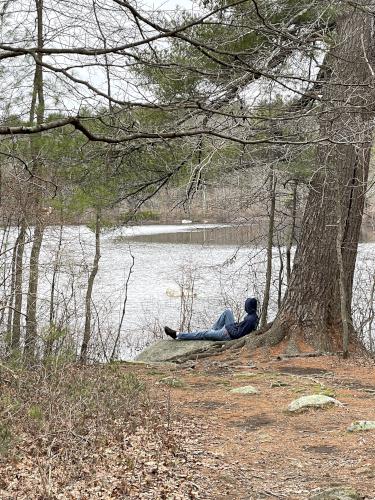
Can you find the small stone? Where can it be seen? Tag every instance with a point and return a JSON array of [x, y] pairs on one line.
[[315, 400], [279, 383], [245, 374], [338, 493], [172, 382], [362, 425], [247, 389]]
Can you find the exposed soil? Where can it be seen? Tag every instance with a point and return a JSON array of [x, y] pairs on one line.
[[250, 447], [197, 440], [303, 370]]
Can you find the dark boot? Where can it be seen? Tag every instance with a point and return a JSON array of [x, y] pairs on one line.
[[170, 332]]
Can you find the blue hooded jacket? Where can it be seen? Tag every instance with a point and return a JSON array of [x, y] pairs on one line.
[[249, 323]]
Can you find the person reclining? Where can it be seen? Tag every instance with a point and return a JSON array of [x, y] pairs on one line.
[[225, 328]]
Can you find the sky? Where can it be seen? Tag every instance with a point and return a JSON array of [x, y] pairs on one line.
[[23, 19], [169, 4]]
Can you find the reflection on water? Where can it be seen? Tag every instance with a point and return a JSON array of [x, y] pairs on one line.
[[221, 235]]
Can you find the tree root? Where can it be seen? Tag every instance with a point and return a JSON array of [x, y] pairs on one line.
[[252, 341], [215, 350], [271, 335], [315, 354]]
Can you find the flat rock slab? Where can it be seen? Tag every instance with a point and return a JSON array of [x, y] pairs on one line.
[[315, 400], [362, 425], [337, 494], [247, 389], [171, 350]]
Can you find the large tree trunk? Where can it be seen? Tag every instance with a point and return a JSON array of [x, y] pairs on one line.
[[311, 309]]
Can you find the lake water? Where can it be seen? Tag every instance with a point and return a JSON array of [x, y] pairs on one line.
[[213, 266]]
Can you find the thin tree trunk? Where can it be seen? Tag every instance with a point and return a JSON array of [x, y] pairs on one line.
[[5, 270], [345, 320], [115, 346], [37, 108], [292, 230], [281, 274], [32, 294], [51, 333], [18, 295], [271, 227], [12, 285], [90, 286], [371, 316]]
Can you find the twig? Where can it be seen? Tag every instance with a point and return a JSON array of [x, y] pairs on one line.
[[123, 306]]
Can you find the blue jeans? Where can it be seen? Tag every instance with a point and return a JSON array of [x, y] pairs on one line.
[[216, 332]]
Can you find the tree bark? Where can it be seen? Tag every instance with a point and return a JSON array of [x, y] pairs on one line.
[[52, 327], [18, 295], [271, 224], [32, 293], [90, 286], [12, 287], [37, 109], [311, 309], [291, 234]]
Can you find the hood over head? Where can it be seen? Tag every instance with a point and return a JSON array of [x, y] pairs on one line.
[[251, 305]]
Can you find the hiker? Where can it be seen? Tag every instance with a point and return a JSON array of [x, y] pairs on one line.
[[225, 327]]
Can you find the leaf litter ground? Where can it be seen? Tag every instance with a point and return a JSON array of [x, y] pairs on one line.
[[210, 443]]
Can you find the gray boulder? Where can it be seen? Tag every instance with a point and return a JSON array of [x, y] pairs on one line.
[[172, 350], [315, 400], [362, 425], [247, 389]]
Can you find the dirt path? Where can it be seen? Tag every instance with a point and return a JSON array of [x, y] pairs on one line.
[[250, 447]]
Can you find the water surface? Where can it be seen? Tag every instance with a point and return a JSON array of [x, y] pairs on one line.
[[218, 274]]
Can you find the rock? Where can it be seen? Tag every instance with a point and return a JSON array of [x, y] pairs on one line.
[[362, 425], [172, 382], [177, 293], [338, 493], [170, 350], [279, 383], [173, 292], [247, 389], [245, 374], [315, 400]]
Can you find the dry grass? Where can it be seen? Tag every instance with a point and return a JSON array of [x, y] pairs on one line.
[[83, 432], [126, 431]]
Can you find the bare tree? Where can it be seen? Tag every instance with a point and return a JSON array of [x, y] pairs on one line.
[[88, 299]]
